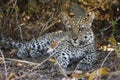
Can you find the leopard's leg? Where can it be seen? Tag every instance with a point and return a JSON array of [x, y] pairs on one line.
[[35, 54], [87, 62], [62, 60]]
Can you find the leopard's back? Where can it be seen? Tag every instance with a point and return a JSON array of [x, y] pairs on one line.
[[37, 47]]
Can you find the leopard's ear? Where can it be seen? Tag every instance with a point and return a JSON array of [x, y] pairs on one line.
[[87, 20], [65, 18], [91, 15]]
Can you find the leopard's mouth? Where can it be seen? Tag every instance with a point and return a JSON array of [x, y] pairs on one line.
[[75, 43], [81, 43]]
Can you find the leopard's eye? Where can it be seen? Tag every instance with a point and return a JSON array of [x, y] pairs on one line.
[[85, 18], [88, 15]]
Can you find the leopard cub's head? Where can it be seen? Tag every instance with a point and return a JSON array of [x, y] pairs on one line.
[[79, 29]]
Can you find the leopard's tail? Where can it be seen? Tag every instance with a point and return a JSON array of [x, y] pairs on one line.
[[8, 42]]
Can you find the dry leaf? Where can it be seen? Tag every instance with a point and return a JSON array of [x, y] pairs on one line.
[[1, 61], [19, 64], [78, 75], [12, 52], [99, 72], [112, 40], [55, 43], [12, 76], [52, 60]]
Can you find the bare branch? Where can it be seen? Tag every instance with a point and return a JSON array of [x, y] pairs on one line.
[[3, 58], [105, 59]]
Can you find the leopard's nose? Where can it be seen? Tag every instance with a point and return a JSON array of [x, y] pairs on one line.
[[74, 39]]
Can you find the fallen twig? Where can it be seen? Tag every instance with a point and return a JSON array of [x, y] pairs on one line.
[[22, 61], [61, 70], [3, 59], [105, 59]]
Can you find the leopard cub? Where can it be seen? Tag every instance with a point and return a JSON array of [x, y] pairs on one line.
[[79, 44]]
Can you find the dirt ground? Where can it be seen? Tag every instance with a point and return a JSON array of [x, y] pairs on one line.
[[31, 69]]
